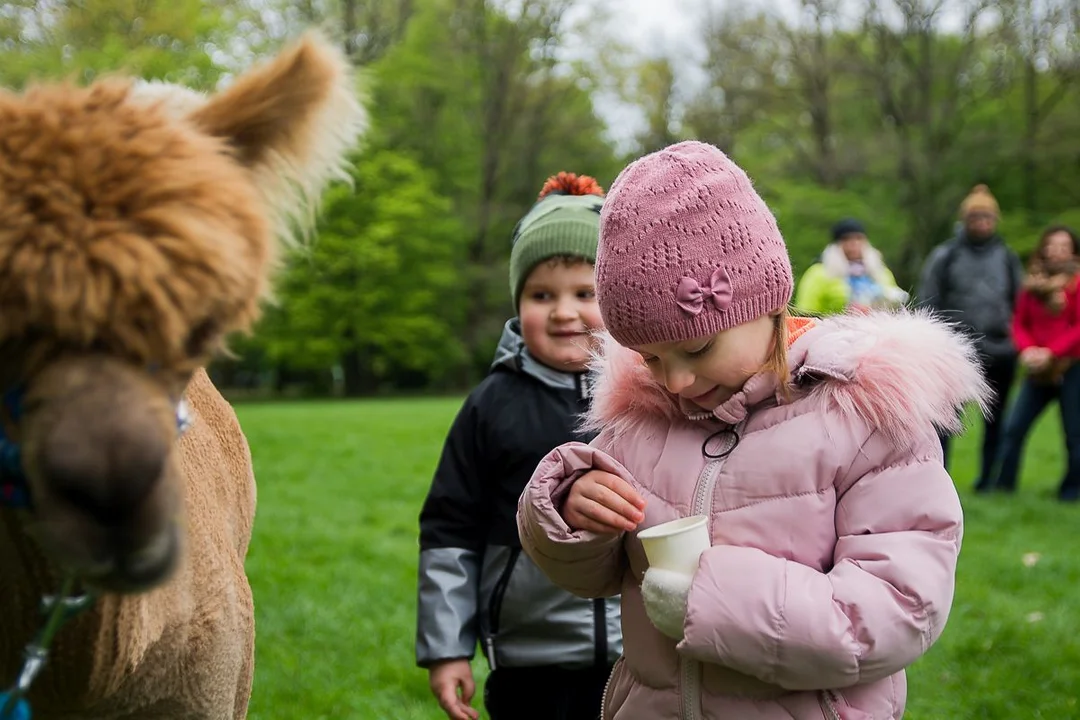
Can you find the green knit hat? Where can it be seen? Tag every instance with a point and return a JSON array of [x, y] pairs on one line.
[[564, 221]]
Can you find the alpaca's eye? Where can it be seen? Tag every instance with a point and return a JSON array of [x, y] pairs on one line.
[[201, 338]]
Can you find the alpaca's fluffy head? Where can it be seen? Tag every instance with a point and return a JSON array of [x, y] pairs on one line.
[[138, 225]]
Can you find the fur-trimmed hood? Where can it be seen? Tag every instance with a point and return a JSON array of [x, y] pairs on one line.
[[838, 266], [903, 372]]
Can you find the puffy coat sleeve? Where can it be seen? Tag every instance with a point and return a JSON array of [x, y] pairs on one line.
[[581, 562], [880, 607]]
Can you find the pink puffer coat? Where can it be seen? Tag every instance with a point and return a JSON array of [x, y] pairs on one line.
[[835, 529]]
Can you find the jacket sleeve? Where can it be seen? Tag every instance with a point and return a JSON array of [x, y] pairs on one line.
[[888, 279], [819, 294], [452, 527], [930, 294], [581, 562], [881, 606], [806, 291], [1022, 337]]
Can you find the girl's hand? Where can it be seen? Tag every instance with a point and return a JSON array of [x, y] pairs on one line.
[[603, 503]]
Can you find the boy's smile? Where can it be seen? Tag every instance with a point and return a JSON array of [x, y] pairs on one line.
[[558, 314]]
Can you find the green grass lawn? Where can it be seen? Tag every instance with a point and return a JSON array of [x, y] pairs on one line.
[[333, 567]]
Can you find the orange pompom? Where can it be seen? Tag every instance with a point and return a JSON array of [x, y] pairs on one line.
[[570, 184]]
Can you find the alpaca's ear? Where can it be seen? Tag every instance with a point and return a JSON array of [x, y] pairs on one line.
[[292, 121]]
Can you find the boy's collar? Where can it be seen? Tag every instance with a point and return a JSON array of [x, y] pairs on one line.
[[512, 354]]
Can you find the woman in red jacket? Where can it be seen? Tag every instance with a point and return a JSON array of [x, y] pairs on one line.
[[1046, 329]]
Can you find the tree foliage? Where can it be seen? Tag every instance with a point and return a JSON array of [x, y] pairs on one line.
[[888, 110]]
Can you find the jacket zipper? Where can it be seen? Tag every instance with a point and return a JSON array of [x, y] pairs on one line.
[[495, 606], [828, 705], [691, 669], [607, 686]]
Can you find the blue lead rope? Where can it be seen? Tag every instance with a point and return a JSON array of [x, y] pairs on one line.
[[15, 494], [20, 710], [58, 609]]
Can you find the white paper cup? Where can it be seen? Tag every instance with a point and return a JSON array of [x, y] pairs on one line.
[[676, 545]]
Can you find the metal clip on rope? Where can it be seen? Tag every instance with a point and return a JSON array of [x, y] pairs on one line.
[[58, 609]]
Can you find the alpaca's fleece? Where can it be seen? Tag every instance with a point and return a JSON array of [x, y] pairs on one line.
[[141, 218], [121, 228]]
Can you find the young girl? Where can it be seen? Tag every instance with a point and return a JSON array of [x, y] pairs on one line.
[[1046, 329], [810, 446]]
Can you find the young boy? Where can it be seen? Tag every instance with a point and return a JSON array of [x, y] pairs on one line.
[[550, 652]]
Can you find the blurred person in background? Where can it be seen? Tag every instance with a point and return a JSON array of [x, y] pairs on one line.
[[1046, 329], [850, 274], [973, 280]]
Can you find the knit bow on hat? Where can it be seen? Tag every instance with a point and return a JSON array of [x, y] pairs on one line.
[[690, 296]]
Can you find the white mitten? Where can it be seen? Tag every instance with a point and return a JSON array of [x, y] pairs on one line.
[[665, 594]]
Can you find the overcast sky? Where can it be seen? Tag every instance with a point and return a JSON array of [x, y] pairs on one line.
[[669, 28], [659, 23], [653, 27]]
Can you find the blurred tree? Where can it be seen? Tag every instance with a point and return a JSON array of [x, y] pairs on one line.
[[889, 110], [479, 95], [179, 41], [376, 293]]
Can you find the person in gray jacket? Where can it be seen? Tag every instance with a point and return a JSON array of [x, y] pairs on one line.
[[550, 653], [973, 280]]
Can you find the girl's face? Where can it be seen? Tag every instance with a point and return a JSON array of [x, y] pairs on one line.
[[1058, 247], [707, 371]]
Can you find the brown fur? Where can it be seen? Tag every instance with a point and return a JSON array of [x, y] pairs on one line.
[[138, 225]]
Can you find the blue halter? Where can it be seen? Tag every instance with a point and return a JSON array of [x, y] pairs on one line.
[[14, 492]]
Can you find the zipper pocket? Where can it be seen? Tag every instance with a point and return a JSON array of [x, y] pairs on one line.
[[495, 604], [499, 591]]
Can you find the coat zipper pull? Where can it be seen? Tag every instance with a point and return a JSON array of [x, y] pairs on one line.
[[489, 651]]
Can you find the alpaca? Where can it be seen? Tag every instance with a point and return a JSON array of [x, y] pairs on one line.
[[138, 227]]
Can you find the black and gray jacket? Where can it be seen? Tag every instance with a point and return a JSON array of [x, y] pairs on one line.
[[974, 283], [474, 582]]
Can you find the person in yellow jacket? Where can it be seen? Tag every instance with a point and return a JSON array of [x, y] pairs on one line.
[[850, 275]]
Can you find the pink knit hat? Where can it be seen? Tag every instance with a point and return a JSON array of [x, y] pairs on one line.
[[687, 249]]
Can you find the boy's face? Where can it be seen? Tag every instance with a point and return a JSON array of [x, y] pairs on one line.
[[558, 313]]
